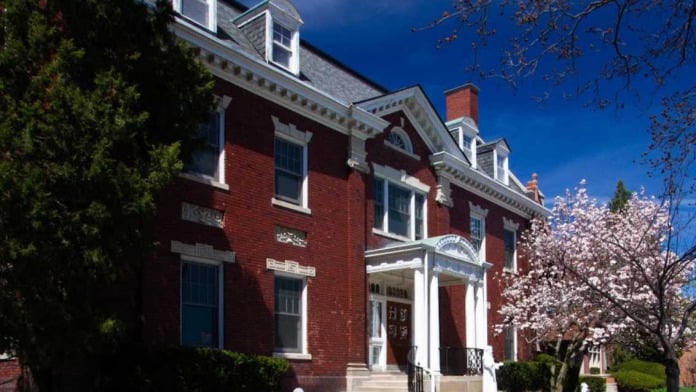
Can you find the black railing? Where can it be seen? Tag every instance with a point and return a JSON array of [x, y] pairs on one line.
[[460, 361], [415, 372]]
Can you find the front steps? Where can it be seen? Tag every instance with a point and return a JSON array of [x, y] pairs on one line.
[[387, 382]]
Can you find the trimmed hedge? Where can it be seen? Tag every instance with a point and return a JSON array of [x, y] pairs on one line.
[[188, 369], [523, 376], [596, 384], [634, 381], [652, 368]]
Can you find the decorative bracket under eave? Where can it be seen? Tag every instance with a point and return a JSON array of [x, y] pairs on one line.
[[357, 155], [443, 195]]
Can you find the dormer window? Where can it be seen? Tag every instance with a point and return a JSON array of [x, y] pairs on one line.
[[501, 166], [203, 12], [466, 142], [273, 28], [464, 132], [282, 45]]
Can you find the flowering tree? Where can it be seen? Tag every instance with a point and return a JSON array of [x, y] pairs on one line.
[[594, 273]]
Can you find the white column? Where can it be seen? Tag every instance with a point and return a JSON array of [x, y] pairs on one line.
[[434, 305], [470, 316], [481, 315], [420, 316]]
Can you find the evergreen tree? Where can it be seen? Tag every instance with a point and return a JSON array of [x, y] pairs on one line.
[[98, 105], [621, 197]]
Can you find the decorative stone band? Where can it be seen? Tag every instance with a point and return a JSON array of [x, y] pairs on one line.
[[202, 215], [290, 236], [202, 250], [292, 267]]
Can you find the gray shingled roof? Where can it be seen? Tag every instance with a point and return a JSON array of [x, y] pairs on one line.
[[316, 67]]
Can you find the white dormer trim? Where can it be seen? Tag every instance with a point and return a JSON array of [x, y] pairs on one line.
[[465, 126], [210, 23], [281, 17]]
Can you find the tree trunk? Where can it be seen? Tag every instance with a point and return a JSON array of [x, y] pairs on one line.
[[558, 378], [672, 373]]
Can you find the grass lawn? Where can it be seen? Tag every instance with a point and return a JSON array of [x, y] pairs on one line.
[[684, 389]]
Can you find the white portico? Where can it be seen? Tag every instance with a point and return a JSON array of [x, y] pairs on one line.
[[415, 271]]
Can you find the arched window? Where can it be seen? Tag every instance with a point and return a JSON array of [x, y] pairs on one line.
[[399, 138]]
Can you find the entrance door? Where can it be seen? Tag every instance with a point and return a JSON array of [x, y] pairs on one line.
[[376, 332], [398, 333]]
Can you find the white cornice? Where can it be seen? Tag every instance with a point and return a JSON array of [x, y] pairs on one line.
[[459, 173], [226, 61]]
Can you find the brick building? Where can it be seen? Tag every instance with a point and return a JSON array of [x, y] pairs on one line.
[[330, 221]]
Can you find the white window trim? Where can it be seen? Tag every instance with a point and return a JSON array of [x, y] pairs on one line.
[[501, 153], [400, 178], [294, 27], [223, 103], [177, 5], [478, 212], [290, 133], [221, 295], [304, 354]]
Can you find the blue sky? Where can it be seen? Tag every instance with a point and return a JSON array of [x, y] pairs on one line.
[[563, 141]]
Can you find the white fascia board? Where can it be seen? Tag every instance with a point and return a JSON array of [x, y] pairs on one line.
[[407, 247], [235, 55], [460, 167]]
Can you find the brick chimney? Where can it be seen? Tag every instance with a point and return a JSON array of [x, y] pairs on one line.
[[533, 190], [463, 101]]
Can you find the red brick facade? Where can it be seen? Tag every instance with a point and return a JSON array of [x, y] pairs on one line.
[[338, 232]]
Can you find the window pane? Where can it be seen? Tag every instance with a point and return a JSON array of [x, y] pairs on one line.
[[399, 210], [196, 10], [199, 326], [289, 170], [288, 313], [509, 239], [282, 35], [199, 305], [476, 233], [287, 333], [205, 160], [281, 55], [379, 204]]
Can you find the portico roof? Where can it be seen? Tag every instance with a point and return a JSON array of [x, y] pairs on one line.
[[449, 254]]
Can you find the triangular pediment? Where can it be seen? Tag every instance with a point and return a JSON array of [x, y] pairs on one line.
[[419, 111]]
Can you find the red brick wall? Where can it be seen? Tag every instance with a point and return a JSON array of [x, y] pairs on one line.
[[338, 232], [335, 241]]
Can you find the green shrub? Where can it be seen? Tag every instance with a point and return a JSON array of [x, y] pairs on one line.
[[634, 381], [594, 370], [596, 384], [188, 369], [652, 368], [523, 376]]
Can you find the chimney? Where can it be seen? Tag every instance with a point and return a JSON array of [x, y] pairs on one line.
[[462, 101], [533, 189]]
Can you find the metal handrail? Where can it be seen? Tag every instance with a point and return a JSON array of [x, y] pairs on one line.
[[458, 361], [414, 371]]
